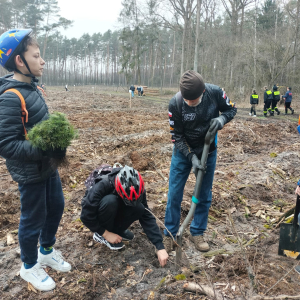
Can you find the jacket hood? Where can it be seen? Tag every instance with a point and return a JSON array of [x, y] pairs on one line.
[[7, 82]]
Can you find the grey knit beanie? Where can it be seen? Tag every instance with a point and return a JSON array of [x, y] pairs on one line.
[[191, 85]]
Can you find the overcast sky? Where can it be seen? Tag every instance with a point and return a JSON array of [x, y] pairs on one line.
[[90, 16]]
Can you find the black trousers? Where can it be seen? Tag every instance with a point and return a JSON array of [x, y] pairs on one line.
[[267, 106], [288, 106], [115, 216]]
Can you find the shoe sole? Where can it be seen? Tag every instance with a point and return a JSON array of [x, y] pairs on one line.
[[106, 243], [56, 269], [39, 289]]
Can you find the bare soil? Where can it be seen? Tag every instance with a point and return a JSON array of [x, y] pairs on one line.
[[255, 178]]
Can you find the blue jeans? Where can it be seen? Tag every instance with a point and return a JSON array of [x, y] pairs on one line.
[[179, 173], [42, 206], [132, 94]]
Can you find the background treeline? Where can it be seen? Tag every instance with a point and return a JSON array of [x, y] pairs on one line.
[[238, 44]]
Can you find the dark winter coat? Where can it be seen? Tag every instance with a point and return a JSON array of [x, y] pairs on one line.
[[25, 163], [268, 96], [91, 203], [288, 97], [188, 130], [254, 99], [132, 88]]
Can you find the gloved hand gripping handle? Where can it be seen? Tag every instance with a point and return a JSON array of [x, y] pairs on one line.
[[199, 179]]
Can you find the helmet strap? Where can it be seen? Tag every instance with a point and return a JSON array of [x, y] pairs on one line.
[[26, 64]]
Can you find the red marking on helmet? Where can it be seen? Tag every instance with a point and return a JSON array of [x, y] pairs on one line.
[[121, 192], [8, 52]]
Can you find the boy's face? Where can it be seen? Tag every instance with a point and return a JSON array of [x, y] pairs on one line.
[[34, 60]]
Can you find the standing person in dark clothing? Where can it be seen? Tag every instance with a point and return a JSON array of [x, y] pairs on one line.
[[254, 102], [192, 112], [268, 97], [41, 194], [288, 100], [113, 204], [276, 98], [132, 89]]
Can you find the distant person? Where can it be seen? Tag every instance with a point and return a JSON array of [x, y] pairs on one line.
[[253, 102], [268, 97], [276, 99], [66, 87], [132, 89], [142, 91], [288, 100], [41, 194], [139, 91]]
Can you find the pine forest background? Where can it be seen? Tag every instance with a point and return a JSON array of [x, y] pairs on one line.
[[237, 44]]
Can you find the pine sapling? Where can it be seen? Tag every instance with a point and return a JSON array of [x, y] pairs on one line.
[[53, 134]]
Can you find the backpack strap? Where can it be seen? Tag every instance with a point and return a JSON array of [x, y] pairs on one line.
[[24, 115], [179, 102], [42, 90]]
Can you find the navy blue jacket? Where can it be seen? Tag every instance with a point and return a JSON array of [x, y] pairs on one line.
[[25, 163], [288, 96]]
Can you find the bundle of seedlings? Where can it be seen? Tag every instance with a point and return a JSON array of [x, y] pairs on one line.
[[53, 135]]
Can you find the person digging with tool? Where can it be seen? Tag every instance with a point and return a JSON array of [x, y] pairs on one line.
[[113, 204], [192, 112]]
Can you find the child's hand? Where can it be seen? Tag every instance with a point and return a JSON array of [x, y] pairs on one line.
[[162, 257], [297, 191], [112, 237]]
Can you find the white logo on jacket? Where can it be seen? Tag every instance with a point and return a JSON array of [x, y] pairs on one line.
[[189, 117]]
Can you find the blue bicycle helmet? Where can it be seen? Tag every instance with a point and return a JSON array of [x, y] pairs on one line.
[[10, 42]]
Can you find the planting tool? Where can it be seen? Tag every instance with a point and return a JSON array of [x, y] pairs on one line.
[[289, 239], [199, 178]]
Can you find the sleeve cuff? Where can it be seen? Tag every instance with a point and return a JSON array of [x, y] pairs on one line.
[[160, 246], [190, 155]]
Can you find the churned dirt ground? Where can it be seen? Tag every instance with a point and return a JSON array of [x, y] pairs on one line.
[[255, 178]]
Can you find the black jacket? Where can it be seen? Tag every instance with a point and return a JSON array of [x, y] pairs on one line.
[[25, 163], [276, 95], [255, 99], [91, 202], [268, 95], [188, 130]]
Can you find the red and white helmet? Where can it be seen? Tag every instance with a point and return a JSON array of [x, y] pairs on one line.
[[129, 185]]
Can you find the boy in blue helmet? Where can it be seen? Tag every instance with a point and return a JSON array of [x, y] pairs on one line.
[[41, 195]]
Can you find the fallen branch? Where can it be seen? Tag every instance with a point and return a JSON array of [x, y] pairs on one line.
[[287, 213], [163, 225], [275, 297], [203, 290], [280, 280]]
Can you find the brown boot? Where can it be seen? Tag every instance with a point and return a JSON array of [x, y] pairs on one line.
[[199, 242], [168, 243]]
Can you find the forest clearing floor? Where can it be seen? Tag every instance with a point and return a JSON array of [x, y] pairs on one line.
[[255, 178]]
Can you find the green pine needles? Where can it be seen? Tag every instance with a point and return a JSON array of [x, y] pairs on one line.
[[55, 133]]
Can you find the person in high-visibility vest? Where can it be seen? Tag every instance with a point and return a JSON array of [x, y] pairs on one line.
[[268, 97], [276, 98], [254, 102]]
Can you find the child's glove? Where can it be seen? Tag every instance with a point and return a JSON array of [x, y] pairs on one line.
[[55, 153]]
